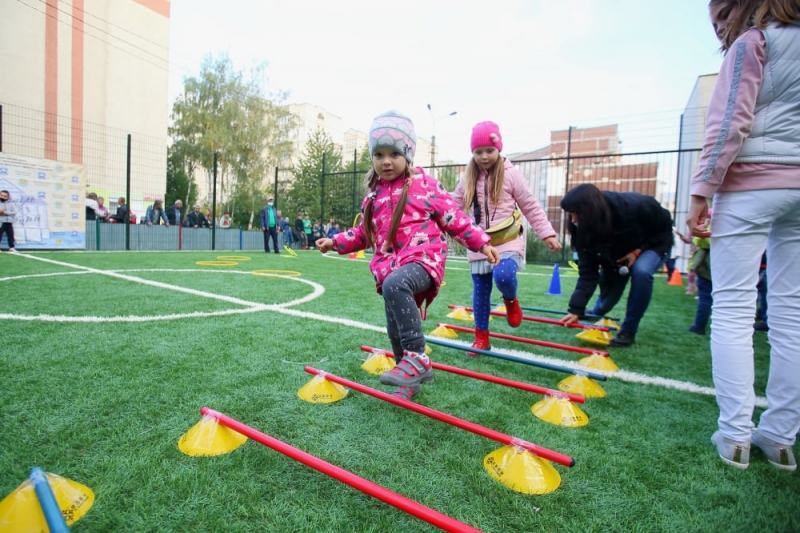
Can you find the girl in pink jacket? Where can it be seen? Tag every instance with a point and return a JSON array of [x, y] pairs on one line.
[[750, 166], [493, 189], [404, 218]]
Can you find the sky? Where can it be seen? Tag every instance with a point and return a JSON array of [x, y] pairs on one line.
[[531, 66]]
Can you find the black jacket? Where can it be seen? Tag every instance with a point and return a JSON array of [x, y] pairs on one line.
[[196, 219], [173, 215], [638, 221]]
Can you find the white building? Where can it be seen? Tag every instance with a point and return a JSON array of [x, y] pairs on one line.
[[78, 76]]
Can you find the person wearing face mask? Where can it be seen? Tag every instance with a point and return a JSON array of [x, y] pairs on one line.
[[8, 211], [269, 225]]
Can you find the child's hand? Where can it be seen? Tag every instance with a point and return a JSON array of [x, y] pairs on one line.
[[491, 253], [325, 245], [552, 243]]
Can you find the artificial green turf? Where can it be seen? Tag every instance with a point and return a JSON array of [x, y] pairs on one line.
[[104, 404]]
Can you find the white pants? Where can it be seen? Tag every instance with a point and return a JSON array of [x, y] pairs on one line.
[[743, 225]]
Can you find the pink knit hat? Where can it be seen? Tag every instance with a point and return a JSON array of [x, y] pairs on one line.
[[486, 134]]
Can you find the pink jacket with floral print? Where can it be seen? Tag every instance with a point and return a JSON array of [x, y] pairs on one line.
[[429, 212]]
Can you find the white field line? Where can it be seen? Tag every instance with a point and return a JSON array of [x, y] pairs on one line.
[[623, 375]]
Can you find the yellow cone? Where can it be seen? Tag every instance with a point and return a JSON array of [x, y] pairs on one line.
[[583, 385], [360, 254], [460, 314], [607, 322], [428, 349], [378, 363], [21, 512], [595, 336], [443, 332], [599, 362], [559, 411], [320, 390], [208, 437], [522, 471], [500, 308]]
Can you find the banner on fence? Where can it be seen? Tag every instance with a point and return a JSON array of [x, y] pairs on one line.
[[51, 201]]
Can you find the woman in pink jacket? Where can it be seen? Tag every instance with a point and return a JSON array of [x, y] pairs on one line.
[[750, 165], [404, 218], [494, 190]]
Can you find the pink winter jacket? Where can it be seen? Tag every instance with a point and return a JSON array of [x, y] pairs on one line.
[[515, 193], [430, 210]]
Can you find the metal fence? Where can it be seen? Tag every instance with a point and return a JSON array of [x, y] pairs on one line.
[[663, 175]]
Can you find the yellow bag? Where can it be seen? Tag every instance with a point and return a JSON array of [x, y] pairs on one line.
[[507, 230]]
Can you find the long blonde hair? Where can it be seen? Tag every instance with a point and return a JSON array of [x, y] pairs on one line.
[[397, 214], [758, 13], [496, 177]]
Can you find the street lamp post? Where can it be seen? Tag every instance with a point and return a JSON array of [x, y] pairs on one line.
[[433, 137]]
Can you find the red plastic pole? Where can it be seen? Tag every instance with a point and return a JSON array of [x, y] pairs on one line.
[[553, 321], [529, 341], [379, 492], [502, 438], [492, 379]]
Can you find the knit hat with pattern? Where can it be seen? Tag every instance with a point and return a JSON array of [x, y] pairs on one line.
[[395, 131], [486, 134]]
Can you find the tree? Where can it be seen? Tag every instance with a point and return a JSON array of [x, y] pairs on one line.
[[221, 112], [309, 185], [179, 184]]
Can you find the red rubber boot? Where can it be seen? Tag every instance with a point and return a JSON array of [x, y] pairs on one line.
[[513, 312], [481, 342]]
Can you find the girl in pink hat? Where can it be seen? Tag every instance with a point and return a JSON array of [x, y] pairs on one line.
[[404, 220], [493, 190]]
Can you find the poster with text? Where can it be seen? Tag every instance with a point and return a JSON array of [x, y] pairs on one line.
[[51, 201]]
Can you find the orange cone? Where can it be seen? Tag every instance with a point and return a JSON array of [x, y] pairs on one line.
[[675, 278]]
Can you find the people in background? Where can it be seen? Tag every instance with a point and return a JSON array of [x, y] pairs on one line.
[[174, 213], [333, 231], [123, 212], [288, 235], [155, 214], [225, 221], [270, 219], [299, 232], [102, 210], [8, 212], [196, 219]]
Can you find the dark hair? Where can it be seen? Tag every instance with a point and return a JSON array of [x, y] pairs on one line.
[[594, 226]]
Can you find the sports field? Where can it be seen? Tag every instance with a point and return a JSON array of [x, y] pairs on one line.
[[107, 358]]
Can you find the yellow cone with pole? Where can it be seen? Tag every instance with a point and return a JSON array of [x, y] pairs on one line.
[[559, 411], [320, 390], [522, 471], [595, 336], [21, 511], [444, 332], [378, 363], [460, 313], [607, 322], [599, 362], [583, 385], [208, 438]]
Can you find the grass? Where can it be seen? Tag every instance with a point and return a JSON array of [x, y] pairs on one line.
[[104, 403]]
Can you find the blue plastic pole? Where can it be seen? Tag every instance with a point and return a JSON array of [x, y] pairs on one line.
[[47, 501]]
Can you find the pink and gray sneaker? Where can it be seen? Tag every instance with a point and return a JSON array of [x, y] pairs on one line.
[[413, 369]]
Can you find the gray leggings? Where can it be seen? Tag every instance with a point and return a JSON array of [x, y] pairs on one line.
[[403, 322]]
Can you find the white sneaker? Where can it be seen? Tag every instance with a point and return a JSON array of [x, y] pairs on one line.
[[12, 250], [732, 452], [778, 455]]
